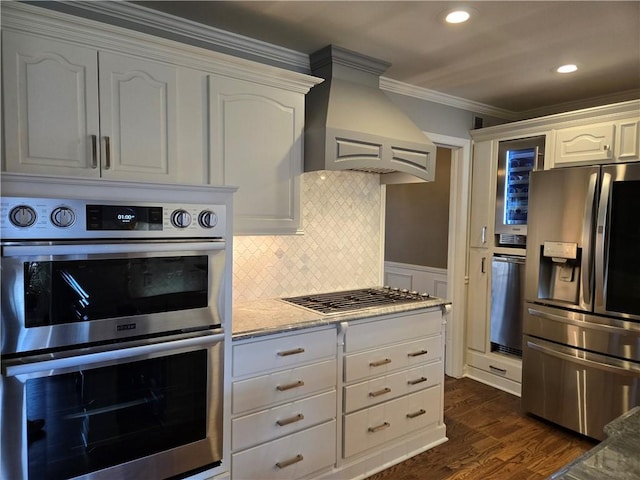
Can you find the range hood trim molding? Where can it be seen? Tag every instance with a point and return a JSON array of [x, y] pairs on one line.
[[353, 125]]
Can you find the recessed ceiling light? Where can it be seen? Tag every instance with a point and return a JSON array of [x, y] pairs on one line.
[[457, 16], [569, 68]]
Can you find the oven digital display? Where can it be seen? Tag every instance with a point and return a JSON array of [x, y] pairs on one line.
[[109, 217]]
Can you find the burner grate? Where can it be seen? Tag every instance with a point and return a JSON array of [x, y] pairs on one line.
[[349, 300]]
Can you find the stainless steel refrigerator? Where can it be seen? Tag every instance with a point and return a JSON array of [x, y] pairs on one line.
[[581, 342]]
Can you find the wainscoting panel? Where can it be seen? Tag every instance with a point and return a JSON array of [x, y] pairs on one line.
[[416, 277]]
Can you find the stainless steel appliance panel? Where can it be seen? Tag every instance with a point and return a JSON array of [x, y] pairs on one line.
[[143, 410], [577, 389], [507, 294], [562, 202], [68, 326], [595, 333]]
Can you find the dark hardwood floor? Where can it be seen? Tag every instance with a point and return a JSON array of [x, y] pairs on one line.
[[490, 439]]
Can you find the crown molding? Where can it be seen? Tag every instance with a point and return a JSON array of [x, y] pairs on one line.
[[194, 33], [407, 89]]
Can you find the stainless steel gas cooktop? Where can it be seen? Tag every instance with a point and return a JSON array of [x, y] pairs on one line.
[[350, 300]]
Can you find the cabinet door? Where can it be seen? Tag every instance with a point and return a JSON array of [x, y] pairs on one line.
[[478, 299], [256, 142], [51, 106], [483, 193], [137, 118], [590, 143]]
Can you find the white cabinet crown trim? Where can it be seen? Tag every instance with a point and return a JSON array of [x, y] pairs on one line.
[[53, 24]]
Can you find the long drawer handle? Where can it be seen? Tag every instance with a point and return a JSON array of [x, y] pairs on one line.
[[289, 386], [498, 369], [417, 381], [422, 411], [379, 363], [293, 351], [379, 392], [417, 354], [287, 421], [379, 427], [291, 461]]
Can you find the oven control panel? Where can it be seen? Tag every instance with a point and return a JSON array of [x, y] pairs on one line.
[[49, 218]]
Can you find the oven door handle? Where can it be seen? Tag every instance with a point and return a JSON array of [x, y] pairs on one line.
[[14, 368], [108, 248]]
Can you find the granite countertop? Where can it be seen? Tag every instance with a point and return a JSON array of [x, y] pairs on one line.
[[267, 316], [616, 458]]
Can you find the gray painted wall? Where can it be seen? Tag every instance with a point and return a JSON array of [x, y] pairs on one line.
[[417, 218]]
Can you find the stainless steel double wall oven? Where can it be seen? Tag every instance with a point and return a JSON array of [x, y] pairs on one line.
[[581, 363], [112, 337]]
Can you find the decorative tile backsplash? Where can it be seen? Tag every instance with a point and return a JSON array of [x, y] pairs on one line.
[[340, 248]]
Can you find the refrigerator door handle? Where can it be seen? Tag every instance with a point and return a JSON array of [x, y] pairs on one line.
[[600, 255], [585, 268], [612, 325], [600, 362]]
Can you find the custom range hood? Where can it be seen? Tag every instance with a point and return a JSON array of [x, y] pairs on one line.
[[352, 125]]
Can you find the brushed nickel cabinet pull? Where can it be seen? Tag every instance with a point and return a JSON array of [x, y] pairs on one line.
[[417, 354], [379, 363], [379, 427], [107, 153], [94, 151], [422, 411], [289, 386], [291, 461], [484, 235], [379, 392], [287, 421], [496, 369], [293, 351], [417, 381]]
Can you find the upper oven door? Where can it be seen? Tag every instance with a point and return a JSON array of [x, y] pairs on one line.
[[617, 257], [62, 294]]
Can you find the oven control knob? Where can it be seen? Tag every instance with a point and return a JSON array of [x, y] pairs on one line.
[[207, 219], [63, 217], [22, 216], [180, 218]]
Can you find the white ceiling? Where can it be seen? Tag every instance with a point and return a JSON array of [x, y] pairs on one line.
[[503, 57]]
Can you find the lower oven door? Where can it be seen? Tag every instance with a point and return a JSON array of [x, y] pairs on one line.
[[147, 411], [576, 388]]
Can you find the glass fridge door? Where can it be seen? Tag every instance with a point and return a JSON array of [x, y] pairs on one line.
[[519, 165]]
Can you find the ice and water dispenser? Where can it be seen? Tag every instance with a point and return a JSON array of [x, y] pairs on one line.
[[559, 278]]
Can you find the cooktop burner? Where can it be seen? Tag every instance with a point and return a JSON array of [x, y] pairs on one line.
[[348, 300]]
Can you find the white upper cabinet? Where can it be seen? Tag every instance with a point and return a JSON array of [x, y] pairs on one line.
[[256, 144], [76, 111], [597, 143], [483, 172]]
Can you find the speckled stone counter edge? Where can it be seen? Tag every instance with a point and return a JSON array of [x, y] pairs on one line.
[[269, 316]]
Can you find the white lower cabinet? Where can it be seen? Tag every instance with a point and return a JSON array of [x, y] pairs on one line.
[[393, 389], [378, 425], [284, 405], [302, 409], [290, 457]]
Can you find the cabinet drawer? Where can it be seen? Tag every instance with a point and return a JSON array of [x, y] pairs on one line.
[[372, 392], [388, 359], [280, 387], [283, 420], [506, 367], [382, 423], [283, 352], [398, 328], [291, 457]]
